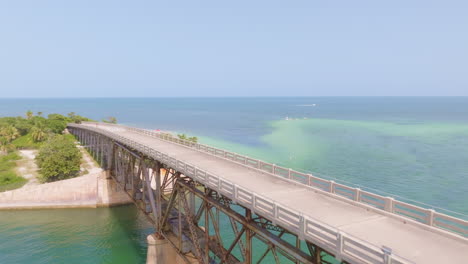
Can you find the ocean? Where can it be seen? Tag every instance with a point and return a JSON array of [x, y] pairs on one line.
[[412, 148]]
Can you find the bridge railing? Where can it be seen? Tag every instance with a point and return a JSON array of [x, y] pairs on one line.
[[344, 246], [426, 216]]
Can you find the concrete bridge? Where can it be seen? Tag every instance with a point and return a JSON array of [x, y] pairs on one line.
[[215, 206]]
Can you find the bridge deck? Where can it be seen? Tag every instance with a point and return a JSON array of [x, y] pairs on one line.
[[415, 243]]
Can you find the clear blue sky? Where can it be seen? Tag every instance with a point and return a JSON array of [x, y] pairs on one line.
[[102, 48]]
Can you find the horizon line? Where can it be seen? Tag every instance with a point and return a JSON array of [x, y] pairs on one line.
[[240, 96]]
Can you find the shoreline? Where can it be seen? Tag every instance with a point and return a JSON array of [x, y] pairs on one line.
[[88, 191], [92, 190]]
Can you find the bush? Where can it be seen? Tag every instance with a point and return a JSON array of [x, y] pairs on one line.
[[58, 159], [56, 126], [110, 120], [26, 142], [8, 178], [185, 137], [23, 125]]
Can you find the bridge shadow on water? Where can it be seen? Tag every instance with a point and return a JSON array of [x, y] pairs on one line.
[[128, 241], [101, 235]]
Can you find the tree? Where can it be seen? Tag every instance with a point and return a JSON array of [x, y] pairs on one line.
[[77, 118], [184, 137], [29, 114], [55, 126], [39, 113], [9, 133], [38, 133], [23, 125], [5, 146], [110, 120], [58, 159], [59, 117]]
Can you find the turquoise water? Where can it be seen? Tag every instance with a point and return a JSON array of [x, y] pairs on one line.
[[413, 147], [75, 236]]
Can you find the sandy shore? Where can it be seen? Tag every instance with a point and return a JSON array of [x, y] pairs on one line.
[[27, 168], [90, 190]]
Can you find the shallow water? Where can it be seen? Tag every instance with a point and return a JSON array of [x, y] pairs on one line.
[[414, 147], [102, 235]]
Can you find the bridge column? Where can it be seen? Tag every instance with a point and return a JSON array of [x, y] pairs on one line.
[[110, 160], [160, 251]]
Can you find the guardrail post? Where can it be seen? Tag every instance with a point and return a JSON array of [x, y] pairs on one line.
[[309, 179], [234, 199], [387, 258], [289, 173], [253, 203], [430, 217], [301, 227], [357, 195], [273, 170], [339, 245], [275, 213], [332, 187], [389, 204]]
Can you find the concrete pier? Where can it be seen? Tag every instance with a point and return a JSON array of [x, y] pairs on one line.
[[352, 224], [160, 251], [92, 190]]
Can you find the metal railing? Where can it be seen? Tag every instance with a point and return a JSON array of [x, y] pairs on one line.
[[426, 216], [344, 246]]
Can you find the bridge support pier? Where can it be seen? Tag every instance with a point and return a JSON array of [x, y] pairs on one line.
[[159, 251], [188, 212], [108, 174]]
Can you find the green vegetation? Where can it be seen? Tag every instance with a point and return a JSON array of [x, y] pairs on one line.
[[185, 137], [8, 178], [72, 117], [58, 156], [110, 120], [26, 142], [7, 134], [58, 159], [32, 131]]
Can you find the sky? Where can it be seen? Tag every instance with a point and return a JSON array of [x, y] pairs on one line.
[[112, 48]]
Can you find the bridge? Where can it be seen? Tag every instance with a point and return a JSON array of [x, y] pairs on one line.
[[216, 206]]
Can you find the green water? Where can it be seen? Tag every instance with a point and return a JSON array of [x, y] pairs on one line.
[[413, 147], [423, 162], [74, 236]]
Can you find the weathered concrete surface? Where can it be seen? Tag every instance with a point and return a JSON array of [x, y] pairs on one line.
[[109, 193], [91, 190], [160, 251], [413, 241]]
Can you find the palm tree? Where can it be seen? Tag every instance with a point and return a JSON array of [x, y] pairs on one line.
[[5, 146], [38, 133], [9, 133], [110, 119], [29, 114]]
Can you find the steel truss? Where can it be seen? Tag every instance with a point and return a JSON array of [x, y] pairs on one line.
[[199, 222]]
